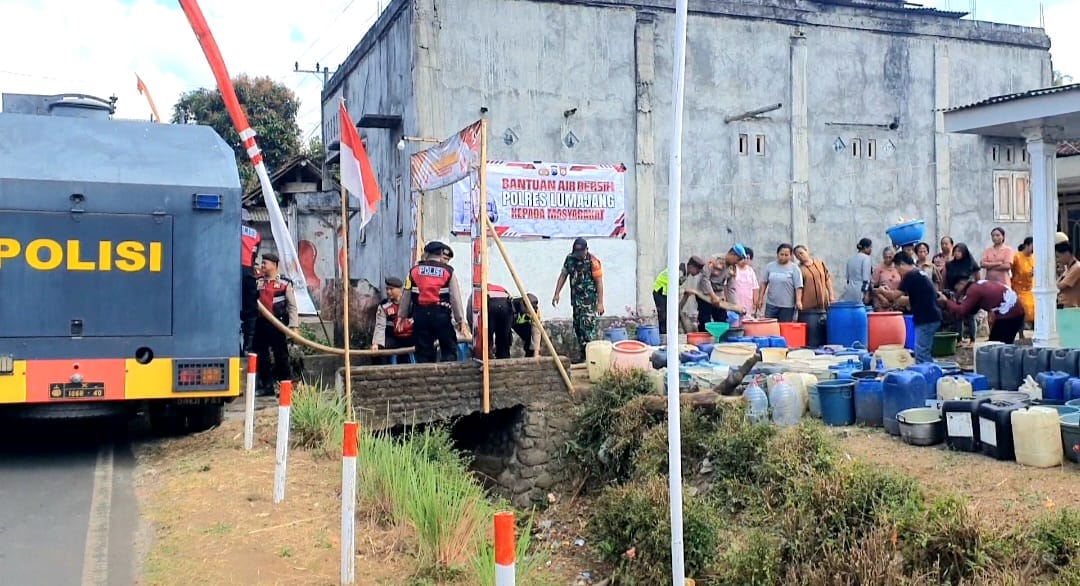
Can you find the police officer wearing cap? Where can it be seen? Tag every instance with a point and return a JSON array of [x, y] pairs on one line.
[[388, 333], [276, 293], [249, 296], [433, 301]]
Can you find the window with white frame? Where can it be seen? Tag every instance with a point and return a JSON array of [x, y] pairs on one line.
[[1012, 196]]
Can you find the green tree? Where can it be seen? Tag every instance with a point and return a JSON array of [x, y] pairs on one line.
[[271, 109], [1062, 78], [315, 149]]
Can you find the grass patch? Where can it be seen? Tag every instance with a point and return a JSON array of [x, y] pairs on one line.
[[631, 527], [608, 428], [790, 509], [317, 419], [529, 566]]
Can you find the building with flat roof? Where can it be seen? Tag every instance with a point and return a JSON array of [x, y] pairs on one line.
[[813, 122]]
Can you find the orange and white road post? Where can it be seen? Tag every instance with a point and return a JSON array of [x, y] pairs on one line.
[[249, 403], [284, 414], [505, 574], [348, 503]]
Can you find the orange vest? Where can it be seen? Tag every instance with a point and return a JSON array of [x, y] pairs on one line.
[[393, 314], [272, 296], [430, 281]]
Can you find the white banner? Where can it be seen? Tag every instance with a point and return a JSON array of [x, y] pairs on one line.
[[290, 261], [556, 200]]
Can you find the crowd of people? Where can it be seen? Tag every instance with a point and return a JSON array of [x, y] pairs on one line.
[[943, 290]]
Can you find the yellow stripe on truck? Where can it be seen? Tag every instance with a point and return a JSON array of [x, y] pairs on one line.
[[155, 381], [13, 386]]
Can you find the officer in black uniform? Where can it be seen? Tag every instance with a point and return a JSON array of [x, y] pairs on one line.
[[277, 294], [523, 326], [500, 320], [433, 301], [250, 239]]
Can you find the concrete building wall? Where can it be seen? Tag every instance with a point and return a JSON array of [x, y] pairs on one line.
[[529, 63], [840, 75], [378, 79]]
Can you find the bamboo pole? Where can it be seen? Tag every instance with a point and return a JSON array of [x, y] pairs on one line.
[[299, 339], [484, 224], [419, 227], [345, 290], [529, 306]]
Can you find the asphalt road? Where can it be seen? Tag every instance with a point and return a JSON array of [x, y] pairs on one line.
[[68, 514]]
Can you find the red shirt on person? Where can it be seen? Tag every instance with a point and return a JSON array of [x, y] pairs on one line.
[[992, 296]]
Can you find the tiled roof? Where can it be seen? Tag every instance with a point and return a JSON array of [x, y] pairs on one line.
[[1069, 148], [1010, 97]]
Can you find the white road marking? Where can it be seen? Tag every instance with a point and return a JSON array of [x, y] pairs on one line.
[[96, 556]]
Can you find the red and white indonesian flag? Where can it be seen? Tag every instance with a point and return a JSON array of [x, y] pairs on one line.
[[447, 162], [356, 174]]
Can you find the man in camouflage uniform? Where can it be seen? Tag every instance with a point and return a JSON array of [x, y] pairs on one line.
[[586, 291]]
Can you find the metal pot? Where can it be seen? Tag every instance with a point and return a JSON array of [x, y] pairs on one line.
[[921, 426]]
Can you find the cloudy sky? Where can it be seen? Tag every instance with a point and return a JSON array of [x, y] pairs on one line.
[[96, 46]]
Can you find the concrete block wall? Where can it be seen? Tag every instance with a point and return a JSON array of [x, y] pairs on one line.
[[389, 396]]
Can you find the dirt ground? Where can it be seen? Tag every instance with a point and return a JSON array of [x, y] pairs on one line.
[[208, 504], [212, 520], [1003, 493]]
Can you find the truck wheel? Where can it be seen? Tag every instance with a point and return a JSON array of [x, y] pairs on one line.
[[166, 422], [203, 417]]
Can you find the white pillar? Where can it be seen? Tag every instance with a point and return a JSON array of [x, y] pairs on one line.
[[800, 149], [1044, 220], [649, 251], [942, 164]]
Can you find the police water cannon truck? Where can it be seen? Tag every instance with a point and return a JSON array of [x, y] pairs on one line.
[[119, 242]]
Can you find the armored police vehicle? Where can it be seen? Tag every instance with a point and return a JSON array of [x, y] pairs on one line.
[[119, 242]]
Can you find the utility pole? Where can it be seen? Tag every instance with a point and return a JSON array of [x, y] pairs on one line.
[[325, 71]]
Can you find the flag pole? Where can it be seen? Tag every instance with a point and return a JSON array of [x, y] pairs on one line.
[[678, 571], [345, 300], [419, 226], [143, 89], [349, 437], [484, 337]]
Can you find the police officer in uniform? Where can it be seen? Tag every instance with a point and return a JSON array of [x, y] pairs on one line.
[[250, 239], [500, 320], [276, 293], [433, 301], [524, 327], [388, 334]]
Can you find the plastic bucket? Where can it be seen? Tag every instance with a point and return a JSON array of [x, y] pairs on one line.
[[944, 344], [794, 334], [615, 334], [649, 335], [773, 355], [906, 233], [1068, 323], [815, 401], [837, 402], [695, 338], [1070, 435]]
